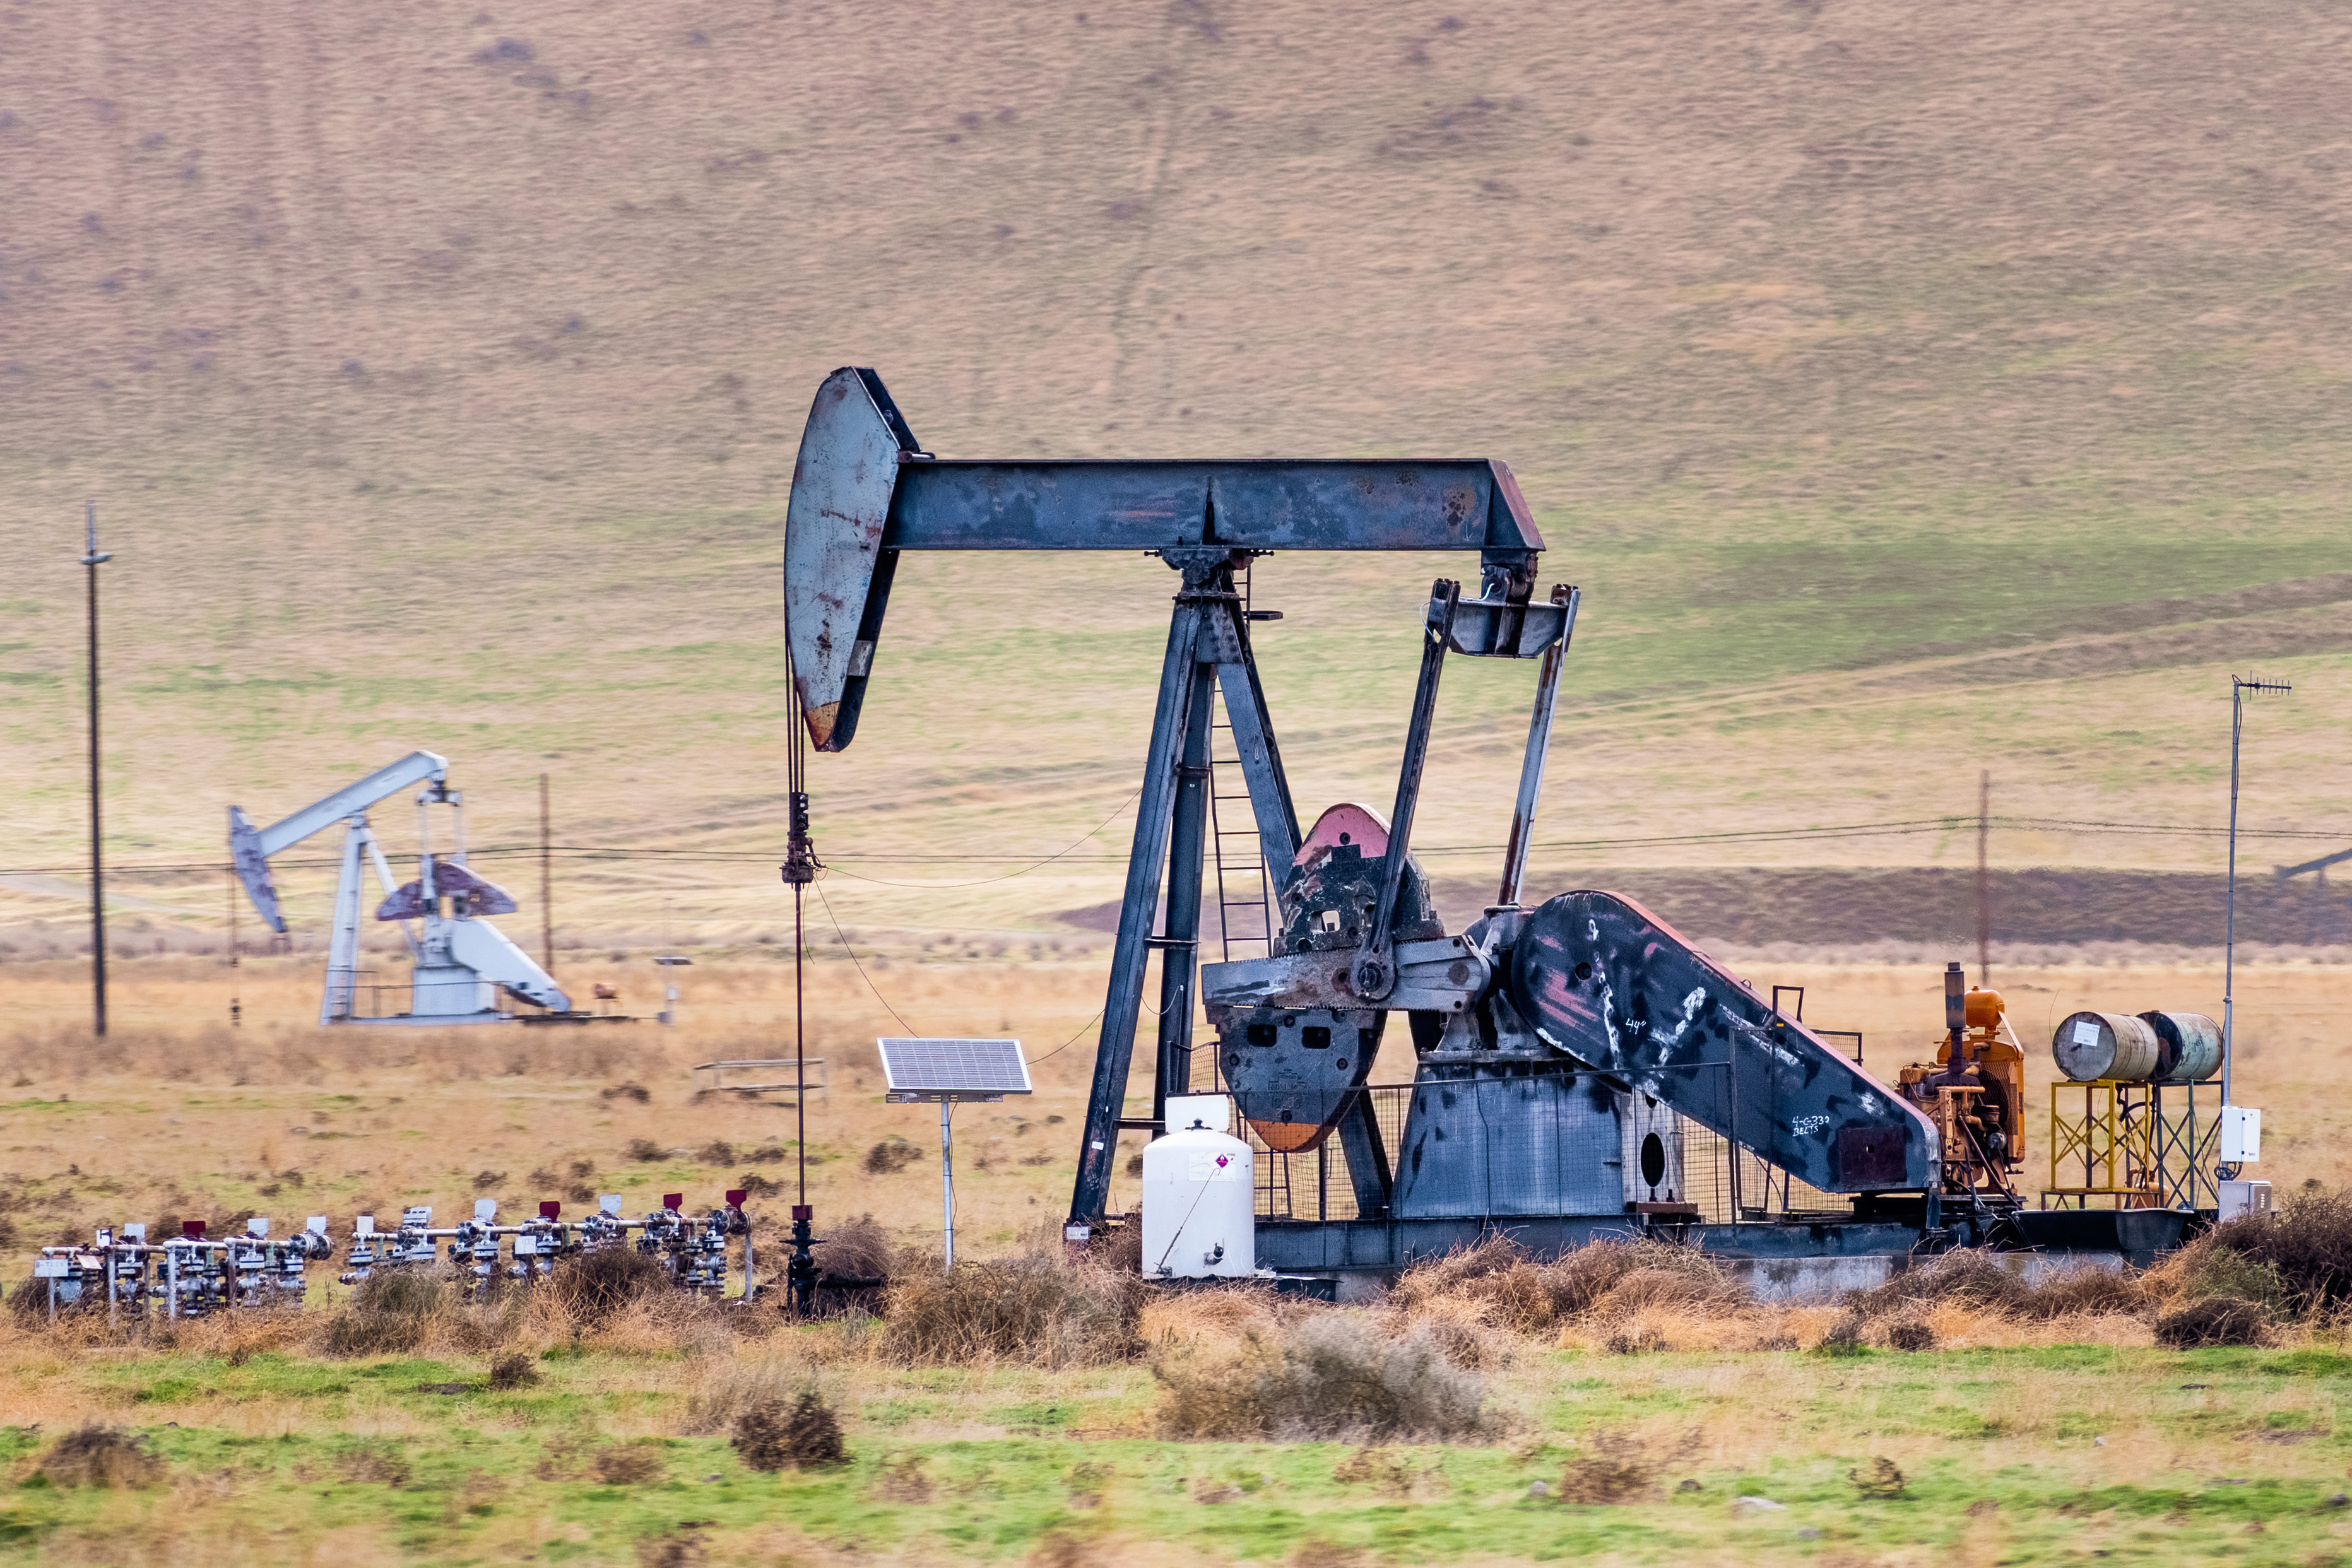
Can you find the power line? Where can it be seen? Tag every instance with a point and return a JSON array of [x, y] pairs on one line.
[[862, 975], [1008, 876], [1900, 828]]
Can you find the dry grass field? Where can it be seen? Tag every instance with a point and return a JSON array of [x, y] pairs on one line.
[[1911, 394], [177, 1113]]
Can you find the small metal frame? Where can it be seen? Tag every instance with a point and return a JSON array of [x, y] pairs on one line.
[[718, 1084]]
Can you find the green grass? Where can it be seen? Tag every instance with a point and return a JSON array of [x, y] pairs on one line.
[[955, 1474]]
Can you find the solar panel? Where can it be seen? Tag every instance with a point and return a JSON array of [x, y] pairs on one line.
[[964, 1069]]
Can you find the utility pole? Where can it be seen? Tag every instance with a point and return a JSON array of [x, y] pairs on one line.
[[2239, 687], [1984, 879], [546, 887], [92, 557], [236, 1002]]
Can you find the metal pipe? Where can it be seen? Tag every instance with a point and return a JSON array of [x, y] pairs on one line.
[[92, 559], [1984, 878], [1374, 975], [235, 1001], [546, 887], [1531, 769], [2239, 687]]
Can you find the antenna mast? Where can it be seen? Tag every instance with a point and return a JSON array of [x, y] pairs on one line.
[[92, 559]]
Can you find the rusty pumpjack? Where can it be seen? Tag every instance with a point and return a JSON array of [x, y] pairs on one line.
[[1544, 1037]]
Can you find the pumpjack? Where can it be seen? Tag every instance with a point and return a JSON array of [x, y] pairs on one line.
[[460, 961], [1565, 1054]]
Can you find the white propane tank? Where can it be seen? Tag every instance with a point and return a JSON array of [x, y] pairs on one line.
[[1200, 1196]]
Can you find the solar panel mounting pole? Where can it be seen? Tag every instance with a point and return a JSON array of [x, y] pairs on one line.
[[917, 1071], [947, 1176]]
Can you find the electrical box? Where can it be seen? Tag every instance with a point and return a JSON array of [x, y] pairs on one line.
[[2242, 1135], [2245, 1199]]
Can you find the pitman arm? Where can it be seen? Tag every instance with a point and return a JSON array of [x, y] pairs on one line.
[[252, 848], [487, 950], [1603, 981]]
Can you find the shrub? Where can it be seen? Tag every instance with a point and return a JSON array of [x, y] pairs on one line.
[[1536, 1298], [645, 1151], [1682, 1278], [513, 1371], [612, 1092], [728, 1387], [718, 1152], [621, 1467], [372, 1462], [1845, 1337], [1119, 1247], [102, 1457], [677, 1548], [808, 1438], [1911, 1336], [1034, 1311], [2212, 1320], [1965, 1277], [28, 1300], [594, 1286], [892, 1155], [1881, 1479], [2306, 1246], [855, 1250], [1610, 1467], [1642, 1340], [2209, 1266], [390, 1314], [905, 1481], [2086, 1291], [1330, 1375]]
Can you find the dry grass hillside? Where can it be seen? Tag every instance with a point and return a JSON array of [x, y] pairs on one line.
[[1912, 391]]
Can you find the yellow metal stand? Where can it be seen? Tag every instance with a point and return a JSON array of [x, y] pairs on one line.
[[2112, 1145]]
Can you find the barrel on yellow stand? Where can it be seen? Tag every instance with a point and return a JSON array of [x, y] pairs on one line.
[[2116, 1047]]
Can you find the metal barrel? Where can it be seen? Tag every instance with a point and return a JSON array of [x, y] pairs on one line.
[[2188, 1047], [2116, 1046]]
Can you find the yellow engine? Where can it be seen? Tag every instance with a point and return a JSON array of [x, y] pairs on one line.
[[1975, 1089]]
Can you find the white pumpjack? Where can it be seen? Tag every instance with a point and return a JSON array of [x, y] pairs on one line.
[[461, 960]]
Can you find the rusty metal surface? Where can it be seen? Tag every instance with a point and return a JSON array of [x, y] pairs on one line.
[[1294, 1072], [840, 503], [1610, 984], [476, 894], [1442, 975]]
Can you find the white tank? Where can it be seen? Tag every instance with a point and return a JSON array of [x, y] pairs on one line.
[[1199, 1195]]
